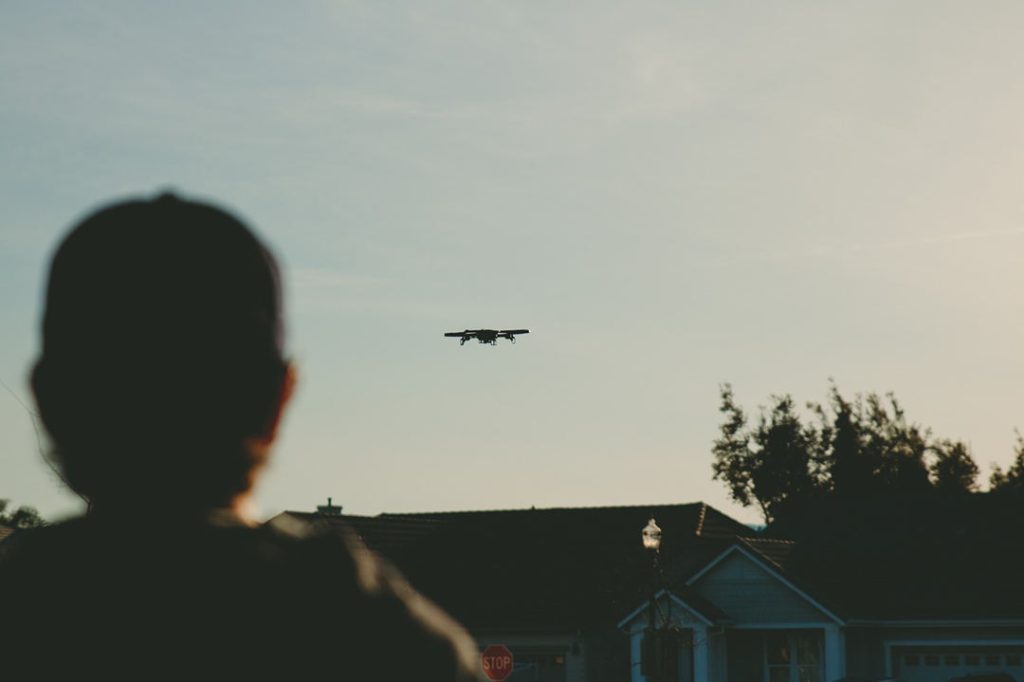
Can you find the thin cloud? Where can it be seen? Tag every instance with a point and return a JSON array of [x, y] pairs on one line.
[[835, 250]]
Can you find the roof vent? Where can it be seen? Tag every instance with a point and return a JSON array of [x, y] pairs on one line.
[[329, 509]]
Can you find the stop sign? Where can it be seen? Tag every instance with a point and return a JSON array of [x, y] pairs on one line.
[[497, 661]]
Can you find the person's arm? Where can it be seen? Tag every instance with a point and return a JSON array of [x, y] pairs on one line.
[[425, 642]]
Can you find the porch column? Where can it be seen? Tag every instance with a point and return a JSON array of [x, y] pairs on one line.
[[835, 654], [636, 638], [701, 654]]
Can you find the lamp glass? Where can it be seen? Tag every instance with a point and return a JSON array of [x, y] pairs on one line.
[[652, 536]]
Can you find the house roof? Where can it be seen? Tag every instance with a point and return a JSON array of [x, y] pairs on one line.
[[391, 537], [6, 531], [558, 568], [906, 558], [774, 551]]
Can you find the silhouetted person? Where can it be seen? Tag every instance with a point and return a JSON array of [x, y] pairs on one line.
[[161, 382]]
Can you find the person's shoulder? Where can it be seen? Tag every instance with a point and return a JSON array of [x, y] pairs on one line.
[[333, 546], [388, 615], [289, 527]]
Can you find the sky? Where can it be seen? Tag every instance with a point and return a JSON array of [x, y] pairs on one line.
[[670, 195]]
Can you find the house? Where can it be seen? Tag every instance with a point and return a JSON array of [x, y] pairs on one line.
[[922, 589]]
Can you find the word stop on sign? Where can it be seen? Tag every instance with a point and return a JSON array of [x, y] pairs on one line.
[[497, 662]]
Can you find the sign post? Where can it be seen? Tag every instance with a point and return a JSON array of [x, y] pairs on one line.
[[497, 662]]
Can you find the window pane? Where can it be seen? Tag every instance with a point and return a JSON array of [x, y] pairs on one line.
[[776, 649], [810, 673], [778, 674], [807, 650]]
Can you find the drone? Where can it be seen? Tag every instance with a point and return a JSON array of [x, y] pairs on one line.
[[490, 336]]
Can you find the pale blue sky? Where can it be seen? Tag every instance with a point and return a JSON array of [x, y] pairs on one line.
[[671, 195]]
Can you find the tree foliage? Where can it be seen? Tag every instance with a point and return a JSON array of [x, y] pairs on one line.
[[1013, 477], [787, 469], [845, 448], [953, 469], [22, 517]]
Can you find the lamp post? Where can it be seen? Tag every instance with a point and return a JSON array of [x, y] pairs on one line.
[[652, 543], [650, 656]]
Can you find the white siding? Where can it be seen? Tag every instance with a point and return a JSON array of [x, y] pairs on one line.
[[749, 595]]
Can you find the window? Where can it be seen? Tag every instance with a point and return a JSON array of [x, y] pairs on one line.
[[792, 657], [539, 665]]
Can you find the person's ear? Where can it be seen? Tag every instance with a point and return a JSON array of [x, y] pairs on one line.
[[287, 390]]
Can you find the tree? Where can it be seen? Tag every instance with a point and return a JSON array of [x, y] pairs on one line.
[[899, 448], [1013, 477], [953, 469], [22, 517], [733, 462], [785, 471], [868, 446], [857, 448], [850, 470], [770, 465]]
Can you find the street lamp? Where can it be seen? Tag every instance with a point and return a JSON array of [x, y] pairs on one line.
[[652, 543], [659, 653], [652, 537]]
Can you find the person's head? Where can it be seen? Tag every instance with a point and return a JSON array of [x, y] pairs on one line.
[[162, 375]]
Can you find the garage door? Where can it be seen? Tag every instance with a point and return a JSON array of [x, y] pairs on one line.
[[945, 663]]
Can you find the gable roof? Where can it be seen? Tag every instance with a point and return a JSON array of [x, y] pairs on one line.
[[687, 519], [689, 600], [746, 548]]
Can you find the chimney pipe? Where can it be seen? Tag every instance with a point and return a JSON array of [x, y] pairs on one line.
[[329, 509]]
